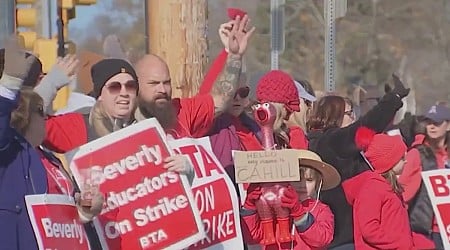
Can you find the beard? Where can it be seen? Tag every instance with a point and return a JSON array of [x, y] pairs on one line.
[[164, 113]]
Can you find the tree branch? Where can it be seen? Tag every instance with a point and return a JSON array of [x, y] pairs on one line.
[[316, 13]]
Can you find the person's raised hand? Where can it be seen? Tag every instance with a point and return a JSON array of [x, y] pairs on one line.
[[224, 32], [68, 64], [17, 64], [399, 87], [239, 35]]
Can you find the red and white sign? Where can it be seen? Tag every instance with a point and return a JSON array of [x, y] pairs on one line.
[[55, 222], [215, 195], [143, 200], [437, 183]]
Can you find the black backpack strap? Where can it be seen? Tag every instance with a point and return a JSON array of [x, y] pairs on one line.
[[427, 157]]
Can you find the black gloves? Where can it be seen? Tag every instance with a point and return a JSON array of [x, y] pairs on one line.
[[399, 88]]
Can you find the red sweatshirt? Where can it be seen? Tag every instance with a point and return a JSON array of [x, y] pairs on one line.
[[380, 218], [297, 138], [318, 236]]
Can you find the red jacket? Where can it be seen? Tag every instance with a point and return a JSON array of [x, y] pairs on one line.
[[297, 138], [194, 119], [380, 218], [318, 236]]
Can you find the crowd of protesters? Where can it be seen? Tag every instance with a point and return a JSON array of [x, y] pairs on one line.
[[367, 193]]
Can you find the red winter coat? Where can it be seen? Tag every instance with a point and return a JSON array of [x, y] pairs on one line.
[[318, 236], [297, 138], [380, 218]]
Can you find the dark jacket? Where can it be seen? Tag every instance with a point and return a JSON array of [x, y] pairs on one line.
[[421, 213], [337, 147], [21, 174]]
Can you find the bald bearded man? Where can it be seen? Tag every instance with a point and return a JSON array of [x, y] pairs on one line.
[[190, 117]]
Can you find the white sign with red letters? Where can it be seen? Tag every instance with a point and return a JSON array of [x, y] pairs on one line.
[[214, 194], [55, 222], [437, 183], [144, 202]]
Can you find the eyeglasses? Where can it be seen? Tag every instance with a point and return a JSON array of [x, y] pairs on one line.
[[242, 92], [115, 87], [350, 113]]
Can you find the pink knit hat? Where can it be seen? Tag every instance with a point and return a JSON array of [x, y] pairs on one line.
[[381, 150], [278, 86]]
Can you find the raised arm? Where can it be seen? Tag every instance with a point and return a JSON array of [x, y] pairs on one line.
[[8, 101], [61, 74], [15, 70], [226, 84], [377, 119]]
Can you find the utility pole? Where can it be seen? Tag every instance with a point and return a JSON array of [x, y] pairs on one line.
[[60, 27], [176, 31], [277, 42], [7, 20], [333, 9]]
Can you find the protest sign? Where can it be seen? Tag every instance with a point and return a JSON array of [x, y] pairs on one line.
[[437, 183], [266, 166], [242, 187], [143, 200], [56, 222], [214, 194]]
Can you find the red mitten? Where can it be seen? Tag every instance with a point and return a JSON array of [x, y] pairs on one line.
[[289, 199], [253, 194]]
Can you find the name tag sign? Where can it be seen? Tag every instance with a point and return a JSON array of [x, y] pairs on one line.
[[266, 166], [55, 222]]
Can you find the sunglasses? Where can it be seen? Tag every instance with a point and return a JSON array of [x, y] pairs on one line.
[[437, 124], [242, 92], [116, 87]]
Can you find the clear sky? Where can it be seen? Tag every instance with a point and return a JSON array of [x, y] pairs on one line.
[[85, 15]]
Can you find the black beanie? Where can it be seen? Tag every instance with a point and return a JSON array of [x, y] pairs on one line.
[[33, 74], [102, 71]]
